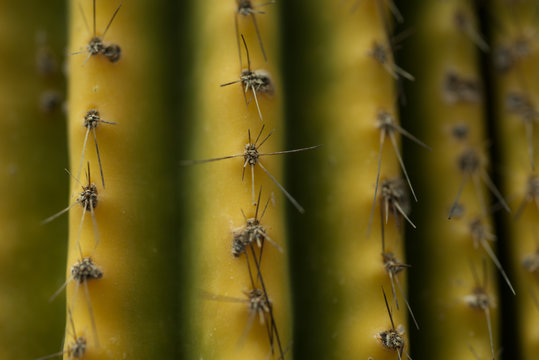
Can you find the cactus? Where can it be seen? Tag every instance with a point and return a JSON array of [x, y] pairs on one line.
[[345, 107], [254, 180]]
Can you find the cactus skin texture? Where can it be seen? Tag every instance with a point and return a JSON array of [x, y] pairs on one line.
[[163, 228]]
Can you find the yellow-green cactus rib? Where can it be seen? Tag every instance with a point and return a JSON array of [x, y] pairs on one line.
[[342, 93], [128, 227], [515, 59], [446, 104], [222, 328], [32, 154]]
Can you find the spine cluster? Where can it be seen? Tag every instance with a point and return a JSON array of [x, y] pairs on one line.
[[514, 60]]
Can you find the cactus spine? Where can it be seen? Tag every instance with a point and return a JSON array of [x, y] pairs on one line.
[[448, 103]]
